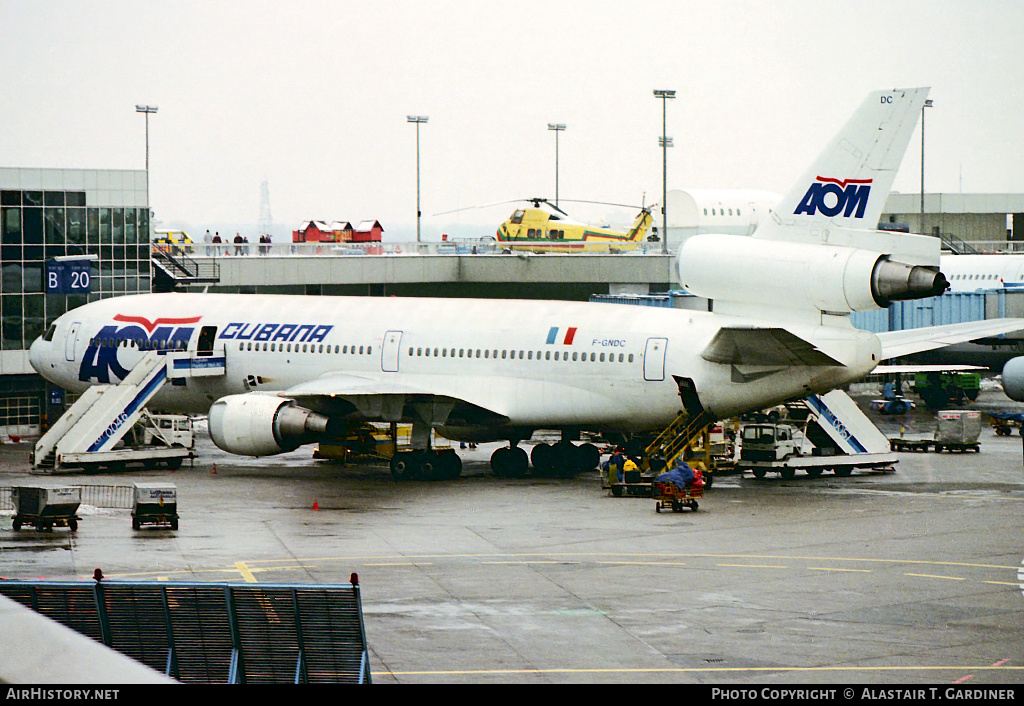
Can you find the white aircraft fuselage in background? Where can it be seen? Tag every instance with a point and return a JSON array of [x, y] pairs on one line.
[[297, 369]]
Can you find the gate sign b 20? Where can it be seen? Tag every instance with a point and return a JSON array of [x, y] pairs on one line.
[[68, 277]]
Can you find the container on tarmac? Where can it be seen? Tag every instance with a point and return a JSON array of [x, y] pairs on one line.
[[46, 506], [958, 430], [155, 504]]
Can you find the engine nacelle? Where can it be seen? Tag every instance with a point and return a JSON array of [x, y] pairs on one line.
[[796, 275], [1013, 379], [262, 425]]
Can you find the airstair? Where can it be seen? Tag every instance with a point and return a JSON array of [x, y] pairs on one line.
[[90, 430], [848, 430], [678, 436]]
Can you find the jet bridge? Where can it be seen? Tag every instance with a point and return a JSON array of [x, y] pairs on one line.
[[89, 432]]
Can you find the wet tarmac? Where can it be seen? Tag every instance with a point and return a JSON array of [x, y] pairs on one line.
[[907, 577]]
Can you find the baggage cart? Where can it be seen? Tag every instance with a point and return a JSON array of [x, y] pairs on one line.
[[155, 504], [46, 507], [670, 495]]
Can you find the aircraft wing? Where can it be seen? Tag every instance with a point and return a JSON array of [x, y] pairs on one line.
[[751, 345], [488, 399], [925, 368], [915, 340]]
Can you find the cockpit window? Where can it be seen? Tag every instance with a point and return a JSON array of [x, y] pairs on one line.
[[48, 336], [517, 217]]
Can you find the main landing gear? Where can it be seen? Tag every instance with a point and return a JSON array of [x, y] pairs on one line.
[[561, 459], [426, 465]]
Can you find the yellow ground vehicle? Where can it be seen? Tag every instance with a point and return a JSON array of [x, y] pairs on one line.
[[548, 228]]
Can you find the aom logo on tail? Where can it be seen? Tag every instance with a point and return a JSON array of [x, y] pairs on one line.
[[830, 197]]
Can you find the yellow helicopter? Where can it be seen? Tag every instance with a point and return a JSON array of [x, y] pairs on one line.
[[545, 227]]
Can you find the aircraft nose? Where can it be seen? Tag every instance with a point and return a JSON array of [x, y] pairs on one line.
[[38, 355]]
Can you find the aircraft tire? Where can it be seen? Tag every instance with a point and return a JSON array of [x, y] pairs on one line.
[[510, 462], [542, 458], [589, 456], [450, 464], [403, 466]]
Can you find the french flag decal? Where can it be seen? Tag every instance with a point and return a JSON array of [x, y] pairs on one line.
[[570, 333]]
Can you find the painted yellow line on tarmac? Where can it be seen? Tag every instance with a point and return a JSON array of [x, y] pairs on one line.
[[752, 566], [403, 563], [643, 563], [932, 576], [245, 572], [704, 670], [825, 568]]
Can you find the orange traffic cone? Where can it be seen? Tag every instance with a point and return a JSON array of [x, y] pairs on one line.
[[316, 505], [214, 471]]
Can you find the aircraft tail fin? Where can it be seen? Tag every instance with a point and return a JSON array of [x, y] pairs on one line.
[[640, 227], [849, 182]]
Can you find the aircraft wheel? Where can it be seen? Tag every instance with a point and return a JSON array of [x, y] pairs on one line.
[[510, 462], [403, 466], [542, 457], [450, 464], [588, 456], [566, 458]]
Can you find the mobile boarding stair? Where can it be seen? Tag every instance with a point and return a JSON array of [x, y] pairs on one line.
[[87, 435], [844, 438]]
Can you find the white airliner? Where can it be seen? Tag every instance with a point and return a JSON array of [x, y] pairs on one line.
[[969, 273], [296, 369]]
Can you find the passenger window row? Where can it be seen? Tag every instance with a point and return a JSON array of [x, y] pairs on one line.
[[144, 344], [487, 353], [306, 348]]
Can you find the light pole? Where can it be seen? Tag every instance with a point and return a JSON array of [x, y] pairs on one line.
[[147, 109], [927, 104], [665, 143], [418, 119], [557, 127]]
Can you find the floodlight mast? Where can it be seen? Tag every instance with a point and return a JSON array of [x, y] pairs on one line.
[[665, 143], [147, 110], [557, 128], [418, 120]]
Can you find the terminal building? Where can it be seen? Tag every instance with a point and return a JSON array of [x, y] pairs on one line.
[[99, 219], [50, 216]]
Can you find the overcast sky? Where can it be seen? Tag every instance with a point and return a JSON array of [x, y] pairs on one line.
[[312, 96]]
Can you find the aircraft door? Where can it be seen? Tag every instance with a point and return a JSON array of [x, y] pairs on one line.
[[71, 340], [207, 335], [654, 359], [389, 354]]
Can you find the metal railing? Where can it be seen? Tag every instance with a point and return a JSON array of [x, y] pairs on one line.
[[216, 633], [469, 246], [109, 496]]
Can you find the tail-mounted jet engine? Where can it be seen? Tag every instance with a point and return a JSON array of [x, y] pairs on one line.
[[833, 279], [263, 425]]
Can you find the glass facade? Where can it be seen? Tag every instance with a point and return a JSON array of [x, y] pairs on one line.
[[49, 213], [37, 226]]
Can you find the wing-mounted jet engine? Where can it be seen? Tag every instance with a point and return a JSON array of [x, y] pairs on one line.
[[263, 425]]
